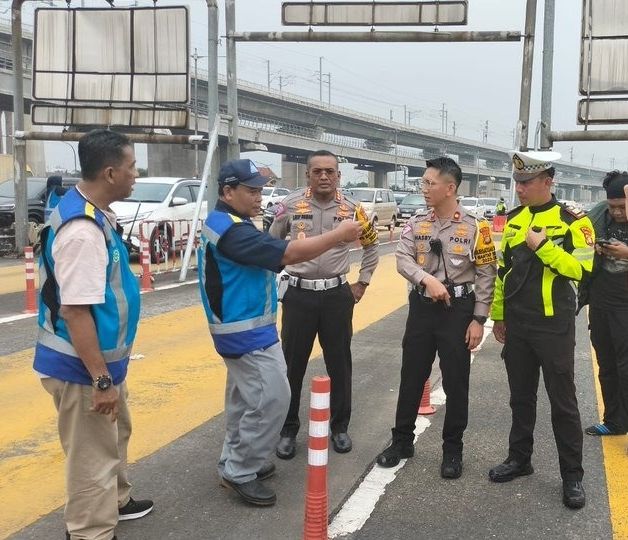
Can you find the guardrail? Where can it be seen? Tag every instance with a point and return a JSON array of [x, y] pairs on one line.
[[165, 240]]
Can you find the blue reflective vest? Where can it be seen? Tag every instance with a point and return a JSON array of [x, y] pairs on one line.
[[240, 301], [51, 203], [116, 319]]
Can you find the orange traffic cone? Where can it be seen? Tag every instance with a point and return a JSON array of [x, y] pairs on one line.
[[425, 407], [315, 526], [146, 282]]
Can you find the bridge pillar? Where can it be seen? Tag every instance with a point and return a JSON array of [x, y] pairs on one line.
[[293, 174], [173, 160], [380, 177]]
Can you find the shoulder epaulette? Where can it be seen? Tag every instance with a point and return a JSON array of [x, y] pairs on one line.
[[573, 211]]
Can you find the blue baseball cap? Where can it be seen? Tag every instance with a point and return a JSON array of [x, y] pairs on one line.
[[241, 171]]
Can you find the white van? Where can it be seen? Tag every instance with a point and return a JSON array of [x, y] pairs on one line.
[[379, 205]]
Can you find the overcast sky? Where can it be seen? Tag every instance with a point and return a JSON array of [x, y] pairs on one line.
[[478, 82]]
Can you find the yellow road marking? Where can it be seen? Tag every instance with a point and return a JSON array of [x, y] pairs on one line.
[[616, 464], [178, 385]]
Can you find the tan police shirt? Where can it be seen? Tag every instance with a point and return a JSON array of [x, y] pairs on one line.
[[468, 253], [302, 216]]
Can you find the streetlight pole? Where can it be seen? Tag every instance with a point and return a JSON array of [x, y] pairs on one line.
[[396, 157], [196, 57], [73, 153], [320, 79]]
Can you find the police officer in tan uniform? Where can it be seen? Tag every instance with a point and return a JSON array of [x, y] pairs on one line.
[[449, 258], [318, 299]]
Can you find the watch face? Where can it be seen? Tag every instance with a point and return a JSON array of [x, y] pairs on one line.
[[103, 383]]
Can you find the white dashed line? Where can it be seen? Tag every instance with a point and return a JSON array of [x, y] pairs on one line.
[[360, 505]]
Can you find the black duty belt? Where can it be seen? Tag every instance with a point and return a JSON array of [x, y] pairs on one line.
[[464, 290]]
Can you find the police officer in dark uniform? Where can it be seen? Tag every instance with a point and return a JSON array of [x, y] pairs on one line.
[[546, 246], [449, 258]]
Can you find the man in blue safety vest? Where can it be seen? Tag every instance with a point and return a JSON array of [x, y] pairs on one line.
[[237, 265], [54, 192], [89, 309]]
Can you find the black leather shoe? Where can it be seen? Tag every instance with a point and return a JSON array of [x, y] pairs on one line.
[[287, 448], [451, 467], [573, 494], [394, 454], [341, 442], [509, 470], [267, 470], [252, 492]]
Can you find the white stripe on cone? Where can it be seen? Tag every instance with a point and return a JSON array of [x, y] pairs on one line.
[[318, 458], [319, 429], [319, 400]]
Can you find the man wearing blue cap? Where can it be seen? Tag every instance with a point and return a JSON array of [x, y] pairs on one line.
[[237, 266]]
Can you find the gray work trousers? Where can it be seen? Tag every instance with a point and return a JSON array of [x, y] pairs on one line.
[[257, 397]]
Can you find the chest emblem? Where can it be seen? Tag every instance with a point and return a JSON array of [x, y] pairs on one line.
[[302, 207], [343, 211]]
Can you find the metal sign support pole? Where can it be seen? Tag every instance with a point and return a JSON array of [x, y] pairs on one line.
[[526, 73], [232, 81], [19, 146], [547, 78]]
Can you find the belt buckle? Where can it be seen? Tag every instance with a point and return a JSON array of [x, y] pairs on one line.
[[459, 291], [319, 284]]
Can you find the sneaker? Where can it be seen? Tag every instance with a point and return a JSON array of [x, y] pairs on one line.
[[135, 509], [600, 430]]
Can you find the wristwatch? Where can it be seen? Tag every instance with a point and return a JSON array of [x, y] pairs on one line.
[[480, 319], [102, 382]]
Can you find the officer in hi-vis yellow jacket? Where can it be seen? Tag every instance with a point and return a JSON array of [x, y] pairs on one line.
[[545, 248]]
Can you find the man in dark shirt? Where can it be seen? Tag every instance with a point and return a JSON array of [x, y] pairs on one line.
[[606, 292], [237, 265]]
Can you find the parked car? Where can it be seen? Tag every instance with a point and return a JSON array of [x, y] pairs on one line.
[[273, 195], [480, 206], [400, 196], [268, 216], [409, 206], [488, 205], [379, 205], [36, 195], [161, 201]]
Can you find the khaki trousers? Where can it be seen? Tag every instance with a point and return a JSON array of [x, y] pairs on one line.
[[96, 459]]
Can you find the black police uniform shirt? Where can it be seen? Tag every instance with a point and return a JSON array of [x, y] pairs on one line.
[[609, 288]]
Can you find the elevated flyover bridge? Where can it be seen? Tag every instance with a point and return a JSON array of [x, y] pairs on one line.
[[293, 126]]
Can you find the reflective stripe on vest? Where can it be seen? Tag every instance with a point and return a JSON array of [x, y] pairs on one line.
[[116, 319]]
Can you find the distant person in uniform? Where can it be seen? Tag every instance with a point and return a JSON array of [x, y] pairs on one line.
[[319, 300], [449, 257], [54, 192], [89, 308], [546, 246], [500, 207], [606, 292], [237, 266]]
